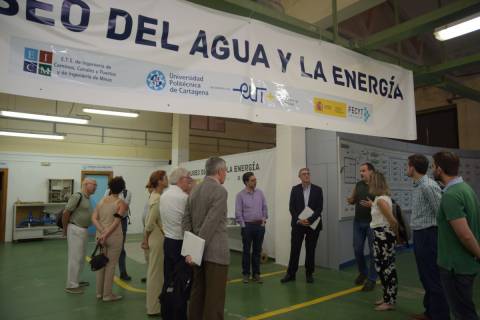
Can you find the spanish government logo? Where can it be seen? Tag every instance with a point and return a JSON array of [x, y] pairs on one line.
[[156, 80], [38, 61]]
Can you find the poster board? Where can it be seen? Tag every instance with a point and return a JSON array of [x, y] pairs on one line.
[[393, 164]]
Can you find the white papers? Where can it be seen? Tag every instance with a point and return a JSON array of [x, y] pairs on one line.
[[193, 246], [307, 213]]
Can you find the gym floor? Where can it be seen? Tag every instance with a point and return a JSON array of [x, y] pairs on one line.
[[33, 273]]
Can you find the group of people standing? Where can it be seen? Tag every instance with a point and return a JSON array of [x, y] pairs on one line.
[[445, 220], [445, 224], [175, 206]]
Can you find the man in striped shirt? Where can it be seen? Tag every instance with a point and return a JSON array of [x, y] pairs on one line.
[[423, 221]]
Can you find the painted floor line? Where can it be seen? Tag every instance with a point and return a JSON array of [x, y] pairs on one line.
[[128, 287], [264, 275], [294, 307]]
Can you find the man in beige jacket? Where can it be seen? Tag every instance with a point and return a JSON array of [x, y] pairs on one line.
[[206, 216]]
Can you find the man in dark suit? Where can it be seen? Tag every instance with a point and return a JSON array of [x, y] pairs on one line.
[[312, 195]]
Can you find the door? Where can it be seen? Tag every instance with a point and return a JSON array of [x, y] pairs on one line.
[[438, 128], [3, 202], [102, 178]]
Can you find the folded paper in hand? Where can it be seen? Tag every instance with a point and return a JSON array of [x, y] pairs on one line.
[[193, 246], [307, 213]]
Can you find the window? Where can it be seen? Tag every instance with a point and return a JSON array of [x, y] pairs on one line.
[[207, 123]]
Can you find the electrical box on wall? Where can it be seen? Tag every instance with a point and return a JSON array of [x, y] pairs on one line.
[[59, 190]]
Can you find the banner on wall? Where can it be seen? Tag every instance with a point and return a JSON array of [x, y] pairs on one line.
[[261, 163], [175, 56]]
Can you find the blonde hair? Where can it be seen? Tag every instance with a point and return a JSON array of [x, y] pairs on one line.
[[377, 185]]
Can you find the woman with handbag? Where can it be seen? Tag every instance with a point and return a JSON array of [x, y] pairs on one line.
[[107, 219], [153, 241]]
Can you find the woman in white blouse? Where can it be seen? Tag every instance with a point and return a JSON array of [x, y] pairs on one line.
[[385, 228]]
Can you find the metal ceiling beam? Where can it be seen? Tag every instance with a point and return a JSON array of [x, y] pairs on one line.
[[460, 89], [449, 65], [248, 8], [418, 25], [431, 75], [348, 12]]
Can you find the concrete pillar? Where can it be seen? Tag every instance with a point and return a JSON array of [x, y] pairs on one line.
[[180, 139], [290, 157]]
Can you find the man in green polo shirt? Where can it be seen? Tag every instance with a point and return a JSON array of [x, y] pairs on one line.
[[458, 236], [77, 216]]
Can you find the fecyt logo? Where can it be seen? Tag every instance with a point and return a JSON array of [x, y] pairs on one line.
[[38, 61], [361, 113]]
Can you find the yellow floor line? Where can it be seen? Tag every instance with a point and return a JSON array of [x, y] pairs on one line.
[[264, 275], [119, 282], [126, 286], [277, 312]]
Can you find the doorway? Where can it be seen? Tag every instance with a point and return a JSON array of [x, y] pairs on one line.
[[3, 202], [102, 178]]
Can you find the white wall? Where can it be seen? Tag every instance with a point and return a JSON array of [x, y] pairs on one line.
[[28, 179]]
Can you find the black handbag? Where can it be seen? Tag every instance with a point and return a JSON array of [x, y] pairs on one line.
[[99, 261]]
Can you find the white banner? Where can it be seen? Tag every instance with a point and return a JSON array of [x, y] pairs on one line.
[[174, 56], [261, 163]]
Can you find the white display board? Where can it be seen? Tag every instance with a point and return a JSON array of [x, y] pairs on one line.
[[261, 163], [393, 164]]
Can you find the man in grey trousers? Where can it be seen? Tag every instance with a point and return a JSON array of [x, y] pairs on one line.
[[206, 217]]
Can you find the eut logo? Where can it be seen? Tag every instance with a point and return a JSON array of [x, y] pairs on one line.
[[251, 93], [38, 61]]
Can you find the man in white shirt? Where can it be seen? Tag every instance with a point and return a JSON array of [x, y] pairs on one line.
[[126, 196], [172, 209]]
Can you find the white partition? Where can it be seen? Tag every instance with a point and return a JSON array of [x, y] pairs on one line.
[[262, 164]]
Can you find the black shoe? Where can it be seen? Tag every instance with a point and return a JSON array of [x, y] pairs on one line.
[[287, 278], [257, 278], [369, 285], [309, 278], [360, 279], [125, 277], [143, 280]]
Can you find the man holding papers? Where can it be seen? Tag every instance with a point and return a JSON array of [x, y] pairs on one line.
[[206, 217], [306, 204]]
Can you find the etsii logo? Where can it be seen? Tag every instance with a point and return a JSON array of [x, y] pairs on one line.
[[38, 61]]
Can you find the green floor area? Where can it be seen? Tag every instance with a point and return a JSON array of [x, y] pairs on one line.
[[32, 278]]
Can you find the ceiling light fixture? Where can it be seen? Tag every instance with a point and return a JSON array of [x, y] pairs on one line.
[[41, 117], [458, 28], [111, 113], [32, 135]]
